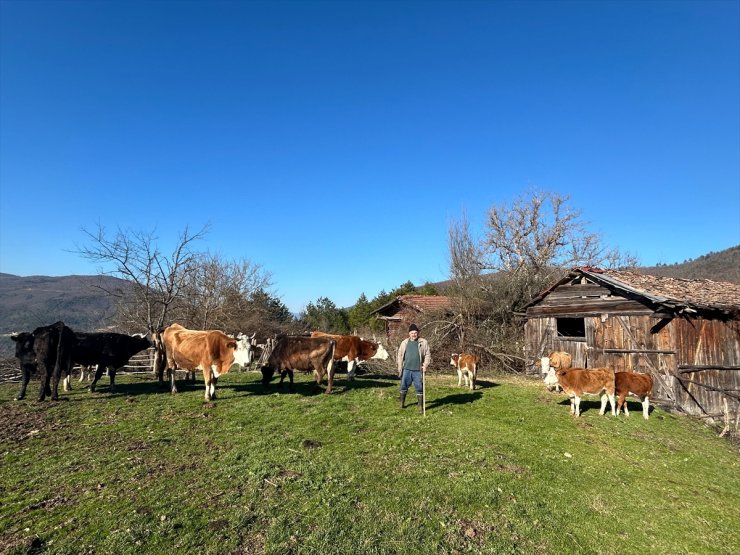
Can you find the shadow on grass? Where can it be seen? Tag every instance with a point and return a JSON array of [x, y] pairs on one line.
[[455, 399], [595, 405]]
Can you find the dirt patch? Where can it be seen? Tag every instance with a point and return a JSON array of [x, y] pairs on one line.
[[14, 543], [19, 422]]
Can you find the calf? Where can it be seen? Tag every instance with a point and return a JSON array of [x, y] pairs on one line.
[[467, 368], [578, 381], [48, 349], [107, 350], [353, 350], [557, 360], [211, 351], [301, 353], [640, 385]]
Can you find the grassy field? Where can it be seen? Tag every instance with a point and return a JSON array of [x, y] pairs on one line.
[[503, 469]]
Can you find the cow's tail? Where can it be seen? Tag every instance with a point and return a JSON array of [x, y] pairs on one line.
[[60, 350], [330, 360]]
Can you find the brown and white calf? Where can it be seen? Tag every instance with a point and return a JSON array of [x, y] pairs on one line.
[[467, 368], [558, 360], [578, 381], [640, 385]]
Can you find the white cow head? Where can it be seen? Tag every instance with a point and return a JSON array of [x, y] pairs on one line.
[[244, 352], [381, 354], [551, 378], [453, 359], [545, 364]]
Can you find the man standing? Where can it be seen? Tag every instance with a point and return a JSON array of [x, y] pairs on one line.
[[413, 358]]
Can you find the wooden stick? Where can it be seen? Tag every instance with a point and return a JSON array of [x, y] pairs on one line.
[[423, 392]]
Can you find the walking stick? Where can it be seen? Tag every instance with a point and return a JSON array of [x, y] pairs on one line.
[[423, 393]]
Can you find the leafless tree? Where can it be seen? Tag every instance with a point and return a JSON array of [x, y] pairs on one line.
[[524, 247], [218, 293], [155, 280]]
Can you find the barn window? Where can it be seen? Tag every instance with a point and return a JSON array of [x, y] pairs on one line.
[[571, 327]]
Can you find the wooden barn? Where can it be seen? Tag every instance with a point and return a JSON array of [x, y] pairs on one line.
[[407, 309], [686, 333]]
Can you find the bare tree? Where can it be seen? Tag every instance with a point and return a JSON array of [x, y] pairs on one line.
[[218, 292], [155, 280], [523, 248]]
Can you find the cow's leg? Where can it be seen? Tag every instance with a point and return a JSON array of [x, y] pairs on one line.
[[459, 378], [351, 366], [578, 406], [602, 410], [172, 374], [45, 376], [112, 374], [330, 376], [612, 403], [473, 378], [646, 407], [98, 374], [25, 378], [207, 378], [55, 377]]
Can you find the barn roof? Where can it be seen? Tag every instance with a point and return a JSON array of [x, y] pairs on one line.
[[420, 303], [674, 294]]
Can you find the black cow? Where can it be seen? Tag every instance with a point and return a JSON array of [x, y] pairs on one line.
[[48, 349], [107, 350], [301, 353]]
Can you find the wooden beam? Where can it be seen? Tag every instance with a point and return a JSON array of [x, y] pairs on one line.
[[688, 368], [640, 351]]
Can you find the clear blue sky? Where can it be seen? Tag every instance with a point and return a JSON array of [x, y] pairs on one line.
[[334, 142]]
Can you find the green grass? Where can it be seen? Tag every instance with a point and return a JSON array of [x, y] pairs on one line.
[[504, 469]]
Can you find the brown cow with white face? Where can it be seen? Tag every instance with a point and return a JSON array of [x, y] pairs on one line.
[[467, 368], [560, 360], [578, 381], [301, 353], [353, 349], [211, 351]]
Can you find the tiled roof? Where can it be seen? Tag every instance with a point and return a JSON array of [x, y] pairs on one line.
[[675, 294], [425, 302], [422, 303], [696, 293]]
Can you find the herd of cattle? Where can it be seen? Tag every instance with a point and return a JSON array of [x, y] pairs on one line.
[[53, 350]]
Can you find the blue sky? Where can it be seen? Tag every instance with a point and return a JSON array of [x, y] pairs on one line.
[[334, 142]]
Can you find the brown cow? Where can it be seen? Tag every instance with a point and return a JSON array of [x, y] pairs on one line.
[[640, 385], [353, 350], [211, 351], [467, 368], [301, 353], [560, 360], [577, 381]]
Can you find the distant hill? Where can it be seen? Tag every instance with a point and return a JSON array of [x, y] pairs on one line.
[[32, 301], [717, 266]]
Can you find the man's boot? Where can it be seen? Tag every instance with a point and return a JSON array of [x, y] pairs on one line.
[[403, 399], [420, 402]]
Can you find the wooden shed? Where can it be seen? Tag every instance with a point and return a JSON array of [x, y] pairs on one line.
[[407, 309], [685, 332]]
